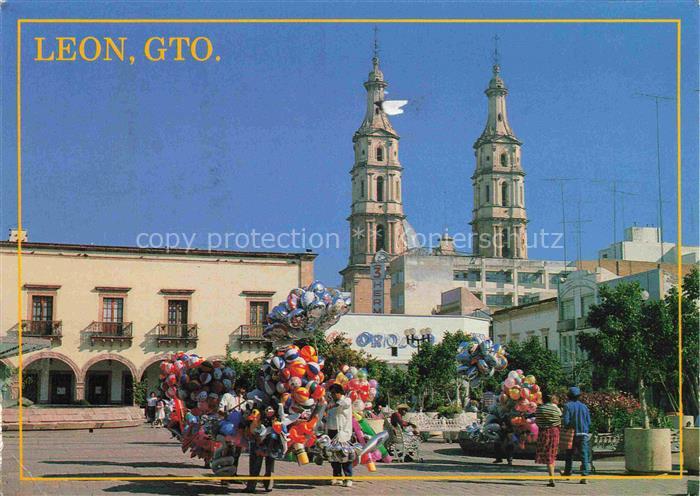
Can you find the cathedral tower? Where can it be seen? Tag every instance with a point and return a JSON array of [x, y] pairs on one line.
[[377, 211], [499, 221]]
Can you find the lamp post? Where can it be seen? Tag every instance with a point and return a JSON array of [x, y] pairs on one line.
[[418, 338]]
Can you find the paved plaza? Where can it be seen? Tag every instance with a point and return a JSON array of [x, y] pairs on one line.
[[142, 451]]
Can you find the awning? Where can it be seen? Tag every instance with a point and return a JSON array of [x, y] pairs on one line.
[[9, 345]]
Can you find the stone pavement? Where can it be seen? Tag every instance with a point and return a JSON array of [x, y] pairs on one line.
[[142, 451]]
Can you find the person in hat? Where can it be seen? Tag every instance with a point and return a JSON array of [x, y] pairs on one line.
[[578, 418], [397, 420]]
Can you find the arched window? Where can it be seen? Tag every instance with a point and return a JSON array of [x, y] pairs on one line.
[[504, 160], [380, 154], [505, 243], [362, 189], [379, 238], [487, 196], [380, 188], [504, 194]]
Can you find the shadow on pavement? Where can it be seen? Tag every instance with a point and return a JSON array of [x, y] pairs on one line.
[[157, 464], [188, 488], [462, 467]]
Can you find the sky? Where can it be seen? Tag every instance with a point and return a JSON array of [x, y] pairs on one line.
[[262, 139]]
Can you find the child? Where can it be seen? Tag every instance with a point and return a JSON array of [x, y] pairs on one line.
[[160, 414]]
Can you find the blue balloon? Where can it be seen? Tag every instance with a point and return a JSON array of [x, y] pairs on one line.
[[234, 417], [227, 429]]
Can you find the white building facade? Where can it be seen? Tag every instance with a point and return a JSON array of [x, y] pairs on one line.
[[383, 336], [643, 244], [538, 319]]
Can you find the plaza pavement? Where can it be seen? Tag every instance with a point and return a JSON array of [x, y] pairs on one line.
[[142, 451]]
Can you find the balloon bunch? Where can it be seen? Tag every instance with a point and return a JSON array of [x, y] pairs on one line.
[[305, 311], [196, 385], [197, 382], [520, 395], [479, 356], [360, 390]]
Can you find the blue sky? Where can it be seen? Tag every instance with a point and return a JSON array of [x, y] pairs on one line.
[[262, 139]]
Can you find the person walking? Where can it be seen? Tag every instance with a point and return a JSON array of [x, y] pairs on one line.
[[578, 418], [151, 407], [339, 428], [548, 420]]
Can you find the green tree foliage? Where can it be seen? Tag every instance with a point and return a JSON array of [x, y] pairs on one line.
[[433, 371], [690, 320], [534, 359], [634, 336], [246, 371]]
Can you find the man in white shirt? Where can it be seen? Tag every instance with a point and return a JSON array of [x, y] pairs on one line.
[[339, 427]]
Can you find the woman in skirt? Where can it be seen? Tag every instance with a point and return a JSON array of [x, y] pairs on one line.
[[548, 419]]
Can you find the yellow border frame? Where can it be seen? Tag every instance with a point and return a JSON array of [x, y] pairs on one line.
[[455, 477]]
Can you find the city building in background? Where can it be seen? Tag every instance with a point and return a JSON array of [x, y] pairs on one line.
[[643, 244], [394, 338]]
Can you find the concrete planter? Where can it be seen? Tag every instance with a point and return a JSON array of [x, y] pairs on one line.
[[648, 450], [676, 423], [691, 456]]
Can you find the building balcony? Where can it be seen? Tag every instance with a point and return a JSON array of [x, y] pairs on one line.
[[176, 334], [566, 325], [111, 332], [582, 323], [51, 329], [250, 333]]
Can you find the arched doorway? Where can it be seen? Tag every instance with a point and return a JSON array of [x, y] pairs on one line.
[[150, 377], [49, 379], [109, 382]]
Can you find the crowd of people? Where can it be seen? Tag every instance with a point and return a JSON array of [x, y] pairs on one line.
[[561, 428]]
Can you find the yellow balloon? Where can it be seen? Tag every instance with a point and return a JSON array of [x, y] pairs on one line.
[[530, 379], [514, 393]]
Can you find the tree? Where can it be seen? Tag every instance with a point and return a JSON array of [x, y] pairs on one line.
[[690, 313], [246, 371], [433, 370], [632, 336], [534, 359]]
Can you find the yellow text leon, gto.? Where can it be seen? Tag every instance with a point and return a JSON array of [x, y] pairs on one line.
[[108, 49]]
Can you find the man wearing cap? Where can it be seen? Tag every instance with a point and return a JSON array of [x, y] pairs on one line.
[[578, 418]]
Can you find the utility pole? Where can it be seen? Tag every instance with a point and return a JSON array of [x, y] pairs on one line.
[[615, 191], [656, 99], [561, 181]]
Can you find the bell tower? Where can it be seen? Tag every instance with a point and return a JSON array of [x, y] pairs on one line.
[[377, 211], [499, 220]]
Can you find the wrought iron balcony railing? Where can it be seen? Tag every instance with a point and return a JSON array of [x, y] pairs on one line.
[[42, 328], [176, 333], [111, 331], [250, 332]]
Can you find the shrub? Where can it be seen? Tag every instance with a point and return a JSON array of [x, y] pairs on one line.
[[611, 411], [449, 410]]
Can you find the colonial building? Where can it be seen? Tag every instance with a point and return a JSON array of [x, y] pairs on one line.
[[377, 210], [499, 221], [112, 313], [498, 273]]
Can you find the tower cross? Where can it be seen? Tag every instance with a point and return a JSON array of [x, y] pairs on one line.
[[496, 55], [376, 42]]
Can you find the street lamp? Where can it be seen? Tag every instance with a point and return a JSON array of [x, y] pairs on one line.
[[418, 338]]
